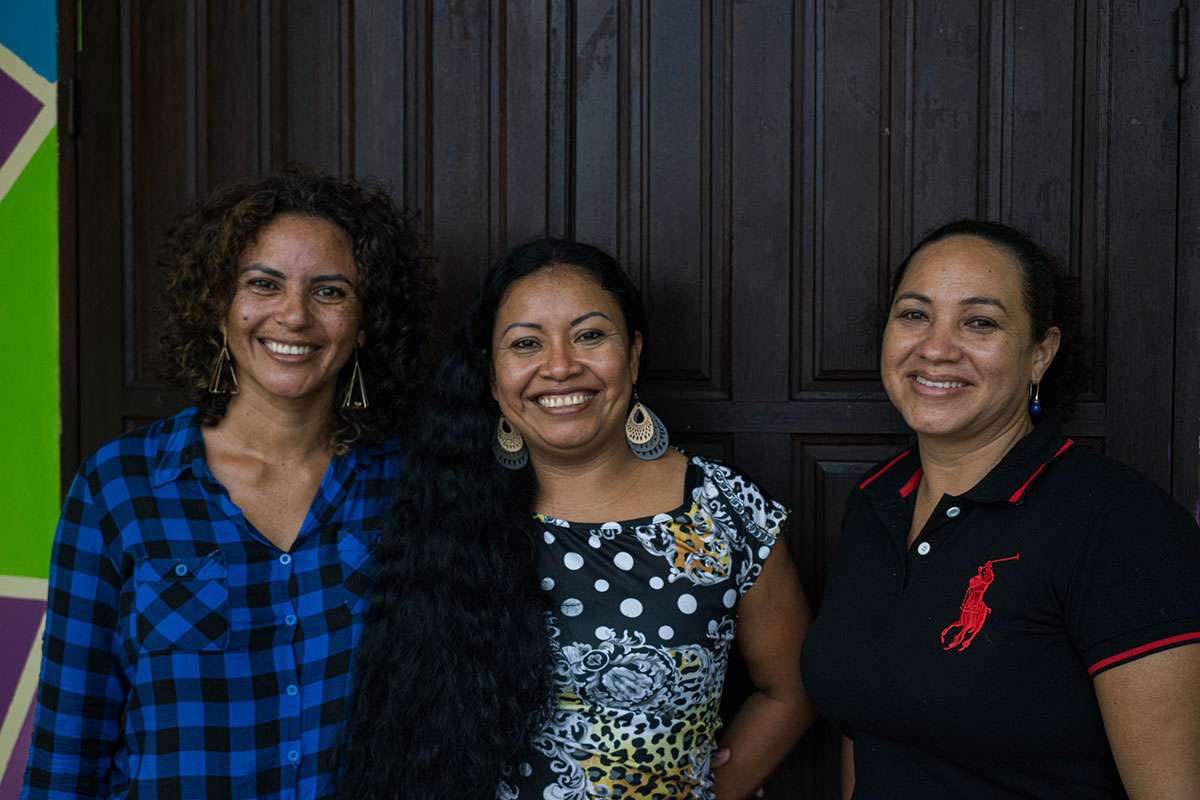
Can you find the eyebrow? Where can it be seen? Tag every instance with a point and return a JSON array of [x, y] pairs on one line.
[[574, 322], [966, 301], [521, 325], [588, 315], [274, 273]]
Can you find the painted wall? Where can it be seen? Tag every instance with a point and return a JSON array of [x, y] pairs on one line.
[[28, 359]]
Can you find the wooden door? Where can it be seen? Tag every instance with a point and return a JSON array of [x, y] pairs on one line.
[[758, 166]]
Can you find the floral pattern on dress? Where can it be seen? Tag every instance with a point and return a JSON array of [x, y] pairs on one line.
[[643, 615]]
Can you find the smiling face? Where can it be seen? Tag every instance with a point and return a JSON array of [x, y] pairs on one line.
[[562, 364], [294, 319], [958, 354]]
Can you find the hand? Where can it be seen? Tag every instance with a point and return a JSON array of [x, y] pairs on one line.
[[720, 756]]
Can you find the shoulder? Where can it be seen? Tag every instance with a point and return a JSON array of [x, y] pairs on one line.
[[1102, 487], [139, 452], [386, 456], [734, 487]]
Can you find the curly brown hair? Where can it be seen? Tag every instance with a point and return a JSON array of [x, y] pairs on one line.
[[199, 258]]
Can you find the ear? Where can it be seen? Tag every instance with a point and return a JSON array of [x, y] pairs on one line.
[[635, 355], [362, 338], [1044, 352]]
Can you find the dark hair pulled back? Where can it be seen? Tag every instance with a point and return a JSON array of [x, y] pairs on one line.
[[1050, 297]]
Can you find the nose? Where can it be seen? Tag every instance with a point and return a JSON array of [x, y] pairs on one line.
[[560, 362], [294, 309], [940, 342]]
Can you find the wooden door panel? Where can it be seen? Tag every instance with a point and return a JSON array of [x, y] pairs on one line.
[[759, 167], [230, 100]]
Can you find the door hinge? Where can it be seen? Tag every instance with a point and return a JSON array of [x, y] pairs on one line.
[[1181, 43]]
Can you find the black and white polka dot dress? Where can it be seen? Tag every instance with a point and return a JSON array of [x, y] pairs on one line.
[[643, 614]]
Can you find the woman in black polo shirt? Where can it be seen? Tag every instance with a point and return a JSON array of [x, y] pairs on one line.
[[1008, 614]]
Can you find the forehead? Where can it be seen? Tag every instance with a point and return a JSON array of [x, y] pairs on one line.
[[301, 234], [963, 264], [558, 290]]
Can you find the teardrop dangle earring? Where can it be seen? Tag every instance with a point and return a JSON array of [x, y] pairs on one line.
[[644, 431], [1035, 390]]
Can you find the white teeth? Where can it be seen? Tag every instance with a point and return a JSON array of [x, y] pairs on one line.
[[940, 384], [564, 400], [288, 349]]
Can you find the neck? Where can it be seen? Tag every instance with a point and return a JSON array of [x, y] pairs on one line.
[[954, 466], [277, 429], [568, 488]]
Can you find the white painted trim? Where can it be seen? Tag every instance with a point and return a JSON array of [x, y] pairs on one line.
[[24, 588]]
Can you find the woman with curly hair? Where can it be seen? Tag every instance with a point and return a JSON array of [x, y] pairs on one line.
[[209, 572], [558, 589]]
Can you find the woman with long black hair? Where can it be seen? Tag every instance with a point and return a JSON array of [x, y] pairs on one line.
[[558, 589]]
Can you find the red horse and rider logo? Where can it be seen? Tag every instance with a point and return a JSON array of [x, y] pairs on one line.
[[973, 610]]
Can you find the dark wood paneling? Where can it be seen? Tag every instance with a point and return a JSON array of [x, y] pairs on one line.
[[162, 128], [602, 114], [676, 198], [759, 167], [758, 237], [380, 76], [317, 55], [1140, 232], [98, 260], [842, 335], [1186, 452], [228, 61]]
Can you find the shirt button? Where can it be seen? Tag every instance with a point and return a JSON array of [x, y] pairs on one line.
[[953, 511], [290, 619], [181, 570], [285, 559], [293, 756], [293, 690], [923, 548]]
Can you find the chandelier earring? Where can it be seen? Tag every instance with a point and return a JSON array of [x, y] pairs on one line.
[[644, 431], [508, 446], [1035, 406], [355, 400], [224, 379]]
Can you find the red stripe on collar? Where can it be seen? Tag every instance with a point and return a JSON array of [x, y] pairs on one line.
[[913, 482], [1020, 493], [888, 466]]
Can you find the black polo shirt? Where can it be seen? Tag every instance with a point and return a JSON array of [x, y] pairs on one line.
[[962, 666]]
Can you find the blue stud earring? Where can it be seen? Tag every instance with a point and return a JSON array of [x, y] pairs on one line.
[[1035, 407]]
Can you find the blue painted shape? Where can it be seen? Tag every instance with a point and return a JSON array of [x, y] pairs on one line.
[[30, 29]]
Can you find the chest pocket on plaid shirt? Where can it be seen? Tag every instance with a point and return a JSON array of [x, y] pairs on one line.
[[358, 566], [182, 603]]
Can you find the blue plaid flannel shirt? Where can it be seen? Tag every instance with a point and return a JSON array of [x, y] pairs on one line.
[[185, 656]]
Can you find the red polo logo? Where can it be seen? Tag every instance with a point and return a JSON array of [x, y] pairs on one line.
[[973, 610]]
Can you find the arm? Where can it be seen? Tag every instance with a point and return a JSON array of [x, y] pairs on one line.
[[773, 618], [847, 767], [79, 694], [1151, 711]]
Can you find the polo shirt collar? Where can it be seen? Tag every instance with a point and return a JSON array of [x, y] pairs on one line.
[[1009, 481]]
